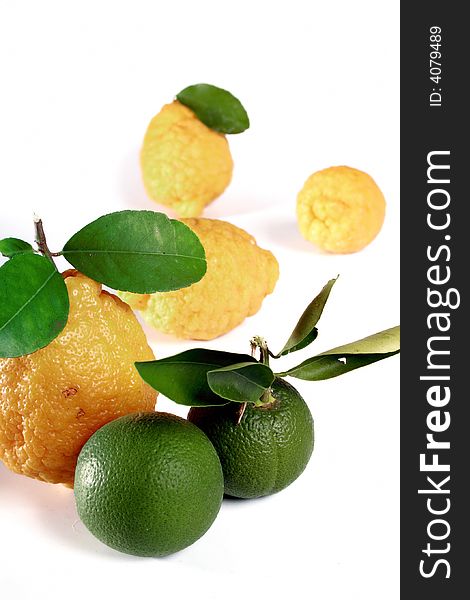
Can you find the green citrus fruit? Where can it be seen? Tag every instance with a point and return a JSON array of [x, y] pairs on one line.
[[268, 449], [148, 484]]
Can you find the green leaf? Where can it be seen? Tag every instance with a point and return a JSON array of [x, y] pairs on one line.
[[138, 251], [348, 357], [241, 382], [34, 304], [183, 377], [305, 331], [12, 246], [215, 107]]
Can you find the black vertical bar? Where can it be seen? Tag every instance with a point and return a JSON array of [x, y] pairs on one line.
[[434, 123]]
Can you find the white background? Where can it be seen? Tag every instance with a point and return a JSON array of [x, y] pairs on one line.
[[80, 81]]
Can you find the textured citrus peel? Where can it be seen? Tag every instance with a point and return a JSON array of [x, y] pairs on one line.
[[239, 276], [340, 209], [52, 400], [185, 165]]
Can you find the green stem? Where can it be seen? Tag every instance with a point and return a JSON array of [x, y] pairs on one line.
[[258, 342]]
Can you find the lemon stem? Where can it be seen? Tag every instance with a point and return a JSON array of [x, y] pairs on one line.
[[260, 343], [257, 342], [41, 240], [242, 407]]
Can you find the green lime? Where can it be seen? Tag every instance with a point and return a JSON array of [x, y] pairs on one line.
[[268, 449], [148, 484]]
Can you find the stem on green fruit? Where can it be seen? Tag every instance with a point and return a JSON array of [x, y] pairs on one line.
[[265, 400], [239, 413], [242, 407], [41, 240], [258, 342]]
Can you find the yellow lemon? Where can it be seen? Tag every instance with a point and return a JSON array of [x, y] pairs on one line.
[[340, 209], [53, 400], [239, 275], [185, 165]]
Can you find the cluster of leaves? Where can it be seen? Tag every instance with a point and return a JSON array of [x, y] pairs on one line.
[[134, 251], [202, 377]]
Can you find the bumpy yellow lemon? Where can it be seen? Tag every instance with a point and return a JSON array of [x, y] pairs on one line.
[[340, 209], [239, 276], [52, 401], [185, 165]]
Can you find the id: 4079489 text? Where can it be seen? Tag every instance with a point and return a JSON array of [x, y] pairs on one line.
[[435, 65]]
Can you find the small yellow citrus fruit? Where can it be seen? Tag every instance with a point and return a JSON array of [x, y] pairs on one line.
[[239, 275], [185, 165], [340, 209], [53, 400]]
